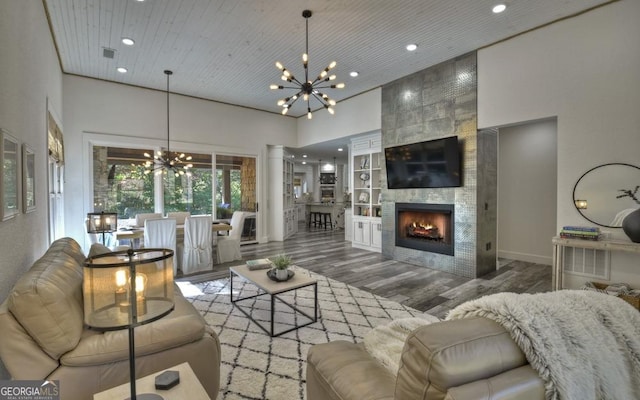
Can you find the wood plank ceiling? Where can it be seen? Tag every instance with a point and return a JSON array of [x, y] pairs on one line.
[[225, 50]]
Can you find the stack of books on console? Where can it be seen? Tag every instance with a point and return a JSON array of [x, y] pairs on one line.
[[580, 232]]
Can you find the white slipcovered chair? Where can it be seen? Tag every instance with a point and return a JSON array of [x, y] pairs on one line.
[[195, 254], [179, 216], [141, 218], [228, 247], [161, 234]]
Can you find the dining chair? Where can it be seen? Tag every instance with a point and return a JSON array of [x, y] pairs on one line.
[[109, 239], [161, 234], [141, 218], [179, 216], [195, 253], [228, 247]]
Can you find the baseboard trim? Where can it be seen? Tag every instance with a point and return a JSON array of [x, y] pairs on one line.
[[533, 258]]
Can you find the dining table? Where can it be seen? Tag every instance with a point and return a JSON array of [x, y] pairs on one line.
[[134, 233]]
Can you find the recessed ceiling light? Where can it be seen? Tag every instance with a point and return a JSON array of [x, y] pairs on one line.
[[412, 47], [304, 156], [304, 162], [353, 74], [122, 70], [498, 8], [128, 41], [340, 149]]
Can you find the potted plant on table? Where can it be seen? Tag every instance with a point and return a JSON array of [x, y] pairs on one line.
[[281, 263]]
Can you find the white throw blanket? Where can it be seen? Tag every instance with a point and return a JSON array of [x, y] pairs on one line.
[[385, 342], [585, 345]]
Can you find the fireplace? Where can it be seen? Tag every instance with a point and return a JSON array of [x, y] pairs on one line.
[[426, 227]]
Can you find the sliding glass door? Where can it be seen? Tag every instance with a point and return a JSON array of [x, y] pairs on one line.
[[190, 193], [236, 191], [119, 182], [121, 185]]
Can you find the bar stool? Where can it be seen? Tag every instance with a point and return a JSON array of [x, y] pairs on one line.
[[315, 218], [326, 219]]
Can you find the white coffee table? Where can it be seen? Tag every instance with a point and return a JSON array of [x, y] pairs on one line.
[[272, 288], [188, 388]]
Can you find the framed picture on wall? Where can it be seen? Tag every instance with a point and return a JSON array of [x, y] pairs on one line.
[[28, 179], [9, 196], [327, 178]]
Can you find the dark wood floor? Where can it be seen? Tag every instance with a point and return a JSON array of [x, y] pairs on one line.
[[327, 253]]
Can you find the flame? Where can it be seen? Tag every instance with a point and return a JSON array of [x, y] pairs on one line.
[[421, 225]]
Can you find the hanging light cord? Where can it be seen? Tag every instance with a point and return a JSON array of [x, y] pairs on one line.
[[168, 73], [160, 163]]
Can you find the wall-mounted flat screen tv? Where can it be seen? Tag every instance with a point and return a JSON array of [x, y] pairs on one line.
[[429, 164]]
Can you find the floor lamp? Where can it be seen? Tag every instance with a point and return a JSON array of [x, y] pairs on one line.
[[126, 289], [102, 222]]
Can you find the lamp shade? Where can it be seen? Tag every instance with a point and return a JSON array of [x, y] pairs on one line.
[[124, 289], [102, 222]]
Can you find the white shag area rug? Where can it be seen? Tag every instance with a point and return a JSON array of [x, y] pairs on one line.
[[256, 366], [585, 345]]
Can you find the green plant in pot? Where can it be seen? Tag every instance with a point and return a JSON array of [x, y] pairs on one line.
[[281, 263]]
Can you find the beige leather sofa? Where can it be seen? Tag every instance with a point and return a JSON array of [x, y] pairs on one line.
[[42, 335], [464, 359]]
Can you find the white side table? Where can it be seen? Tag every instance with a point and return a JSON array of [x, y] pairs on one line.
[[188, 388], [559, 245]]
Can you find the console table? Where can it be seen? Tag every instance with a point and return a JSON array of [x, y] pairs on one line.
[[559, 245]]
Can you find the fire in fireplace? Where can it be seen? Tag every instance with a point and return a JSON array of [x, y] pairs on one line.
[[427, 227], [424, 231]]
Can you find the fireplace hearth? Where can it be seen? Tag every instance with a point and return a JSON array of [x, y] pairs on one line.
[[426, 227]]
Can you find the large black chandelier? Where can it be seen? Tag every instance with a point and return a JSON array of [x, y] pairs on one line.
[[161, 162], [307, 89]]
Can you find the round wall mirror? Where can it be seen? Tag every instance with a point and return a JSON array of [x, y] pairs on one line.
[[605, 194]]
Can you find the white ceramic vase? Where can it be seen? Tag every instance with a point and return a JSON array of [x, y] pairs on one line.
[[282, 274]]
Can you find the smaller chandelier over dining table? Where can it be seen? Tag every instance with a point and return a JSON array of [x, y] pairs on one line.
[[163, 162], [307, 89]]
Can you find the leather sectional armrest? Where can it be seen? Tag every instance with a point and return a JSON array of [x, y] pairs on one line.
[[183, 325], [517, 384], [343, 370]]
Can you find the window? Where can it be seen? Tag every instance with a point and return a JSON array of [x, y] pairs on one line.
[[119, 182], [55, 179], [120, 185], [235, 185], [190, 193]]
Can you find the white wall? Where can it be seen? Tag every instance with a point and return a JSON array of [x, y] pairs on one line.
[[104, 111], [31, 77], [353, 116], [527, 195], [584, 71]]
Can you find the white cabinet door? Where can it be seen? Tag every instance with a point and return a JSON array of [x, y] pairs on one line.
[[290, 222], [376, 234], [362, 232], [348, 225], [294, 222]]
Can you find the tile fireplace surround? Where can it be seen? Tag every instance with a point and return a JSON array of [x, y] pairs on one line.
[[438, 102]]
